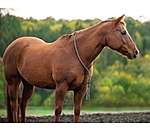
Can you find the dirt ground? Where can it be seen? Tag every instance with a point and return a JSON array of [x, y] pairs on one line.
[[125, 117]]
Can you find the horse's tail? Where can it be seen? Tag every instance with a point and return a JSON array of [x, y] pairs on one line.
[[9, 113], [19, 101]]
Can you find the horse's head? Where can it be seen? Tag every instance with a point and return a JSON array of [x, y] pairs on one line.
[[120, 40]]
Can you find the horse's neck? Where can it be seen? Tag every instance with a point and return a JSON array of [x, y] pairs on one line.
[[90, 43]]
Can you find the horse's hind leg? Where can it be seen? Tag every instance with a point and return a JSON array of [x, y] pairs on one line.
[[12, 98], [28, 90]]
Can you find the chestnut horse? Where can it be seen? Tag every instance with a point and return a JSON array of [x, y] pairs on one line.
[[56, 66]]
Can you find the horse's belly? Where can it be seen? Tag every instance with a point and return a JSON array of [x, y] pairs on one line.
[[42, 82], [50, 86], [38, 76]]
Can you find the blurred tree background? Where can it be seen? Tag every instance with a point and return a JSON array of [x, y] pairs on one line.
[[116, 80]]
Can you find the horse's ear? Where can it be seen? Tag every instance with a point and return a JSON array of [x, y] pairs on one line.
[[118, 20]]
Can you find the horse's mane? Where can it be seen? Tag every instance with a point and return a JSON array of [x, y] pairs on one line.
[[67, 36]]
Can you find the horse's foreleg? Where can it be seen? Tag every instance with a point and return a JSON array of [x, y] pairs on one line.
[[78, 97], [60, 93], [28, 90]]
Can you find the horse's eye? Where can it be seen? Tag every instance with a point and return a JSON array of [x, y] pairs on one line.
[[123, 33]]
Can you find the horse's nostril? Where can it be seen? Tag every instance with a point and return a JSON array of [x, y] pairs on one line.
[[136, 52]]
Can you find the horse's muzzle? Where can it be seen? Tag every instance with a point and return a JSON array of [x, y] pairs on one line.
[[135, 54]]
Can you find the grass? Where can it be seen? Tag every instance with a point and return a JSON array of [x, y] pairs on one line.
[[115, 109], [43, 110]]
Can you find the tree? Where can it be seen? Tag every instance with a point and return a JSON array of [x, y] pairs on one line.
[[35, 100], [9, 30], [124, 80], [2, 99], [65, 29]]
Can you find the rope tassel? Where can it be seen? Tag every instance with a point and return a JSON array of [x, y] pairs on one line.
[[88, 93]]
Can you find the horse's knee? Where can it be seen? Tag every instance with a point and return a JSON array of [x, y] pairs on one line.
[[58, 111], [57, 114], [77, 111], [14, 106]]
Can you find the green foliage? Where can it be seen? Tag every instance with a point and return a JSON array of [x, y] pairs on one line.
[[2, 84], [2, 99], [124, 80], [9, 30], [49, 102], [116, 80], [36, 99]]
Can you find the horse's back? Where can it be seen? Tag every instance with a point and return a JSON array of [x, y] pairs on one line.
[[13, 51], [20, 43]]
